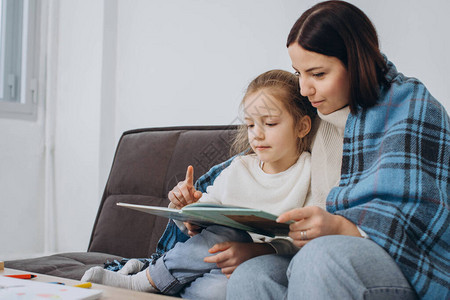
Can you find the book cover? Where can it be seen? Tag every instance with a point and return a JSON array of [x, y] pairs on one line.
[[205, 214]]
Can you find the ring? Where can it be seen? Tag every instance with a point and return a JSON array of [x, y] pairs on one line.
[[303, 235]]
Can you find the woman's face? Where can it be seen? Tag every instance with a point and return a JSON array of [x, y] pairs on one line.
[[323, 79]]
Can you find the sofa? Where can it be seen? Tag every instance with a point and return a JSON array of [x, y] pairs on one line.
[[147, 164]]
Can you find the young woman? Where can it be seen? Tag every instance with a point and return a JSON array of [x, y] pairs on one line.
[[380, 158], [273, 175]]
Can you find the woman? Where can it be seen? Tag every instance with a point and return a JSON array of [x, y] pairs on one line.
[[385, 233]]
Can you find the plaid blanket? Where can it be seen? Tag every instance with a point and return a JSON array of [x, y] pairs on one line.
[[395, 181]]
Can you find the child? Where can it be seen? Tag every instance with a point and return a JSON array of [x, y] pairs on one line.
[[273, 175]]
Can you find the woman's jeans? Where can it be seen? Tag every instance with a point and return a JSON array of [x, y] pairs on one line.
[[329, 267]]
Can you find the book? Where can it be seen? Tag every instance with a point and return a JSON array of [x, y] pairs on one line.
[[13, 288], [205, 214]]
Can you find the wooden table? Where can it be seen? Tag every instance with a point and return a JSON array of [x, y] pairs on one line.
[[108, 291]]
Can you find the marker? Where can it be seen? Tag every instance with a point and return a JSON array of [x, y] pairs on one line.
[[22, 276], [85, 285]]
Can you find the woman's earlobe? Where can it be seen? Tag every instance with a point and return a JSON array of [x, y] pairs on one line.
[[304, 126]]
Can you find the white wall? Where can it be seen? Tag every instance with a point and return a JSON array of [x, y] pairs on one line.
[[188, 62], [120, 64], [414, 35], [21, 187], [78, 111]]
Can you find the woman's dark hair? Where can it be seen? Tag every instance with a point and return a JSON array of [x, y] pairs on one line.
[[341, 30]]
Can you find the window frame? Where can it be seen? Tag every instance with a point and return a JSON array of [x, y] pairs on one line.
[[25, 108]]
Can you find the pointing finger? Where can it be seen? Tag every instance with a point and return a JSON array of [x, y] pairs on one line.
[[190, 176]]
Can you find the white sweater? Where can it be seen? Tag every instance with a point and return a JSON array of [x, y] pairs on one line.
[[245, 184], [326, 158]]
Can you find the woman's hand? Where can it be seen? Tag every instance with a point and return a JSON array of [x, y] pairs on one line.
[[184, 192], [312, 222], [232, 254]]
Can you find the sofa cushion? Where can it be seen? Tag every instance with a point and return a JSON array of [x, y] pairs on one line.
[[138, 232], [140, 163], [67, 265]]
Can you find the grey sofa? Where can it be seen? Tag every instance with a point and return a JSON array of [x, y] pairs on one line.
[[146, 166]]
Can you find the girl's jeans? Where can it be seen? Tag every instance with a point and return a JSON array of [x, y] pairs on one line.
[[182, 271], [329, 267]]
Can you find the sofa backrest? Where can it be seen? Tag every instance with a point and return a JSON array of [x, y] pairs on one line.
[[148, 163]]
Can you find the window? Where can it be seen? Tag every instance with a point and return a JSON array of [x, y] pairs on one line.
[[18, 58]]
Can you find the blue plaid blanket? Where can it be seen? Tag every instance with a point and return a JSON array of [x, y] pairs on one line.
[[394, 182]]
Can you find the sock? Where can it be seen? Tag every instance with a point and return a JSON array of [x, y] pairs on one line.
[[131, 267], [137, 282]]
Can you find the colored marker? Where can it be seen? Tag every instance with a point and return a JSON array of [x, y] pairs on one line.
[[85, 285], [22, 276]]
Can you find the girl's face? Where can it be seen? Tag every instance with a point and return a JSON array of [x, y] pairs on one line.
[[323, 79], [272, 133]]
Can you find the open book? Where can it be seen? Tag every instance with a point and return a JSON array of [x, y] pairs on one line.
[[204, 214]]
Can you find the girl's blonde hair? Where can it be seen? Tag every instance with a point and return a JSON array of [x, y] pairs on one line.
[[284, 87]]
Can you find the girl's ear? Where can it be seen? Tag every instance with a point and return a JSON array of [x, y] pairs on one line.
[[304, 126]]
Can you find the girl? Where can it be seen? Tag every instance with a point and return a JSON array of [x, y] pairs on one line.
[[273, 175], [391, 179]]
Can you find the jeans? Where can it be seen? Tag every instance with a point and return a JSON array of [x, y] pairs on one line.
[[329, 267], [182, 271]]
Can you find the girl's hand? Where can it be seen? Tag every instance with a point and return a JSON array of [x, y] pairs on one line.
[[192, 229], [312, 222], [234, 253], [184, 192]]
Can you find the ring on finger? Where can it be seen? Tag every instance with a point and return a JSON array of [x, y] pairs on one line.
[[303, 235]]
